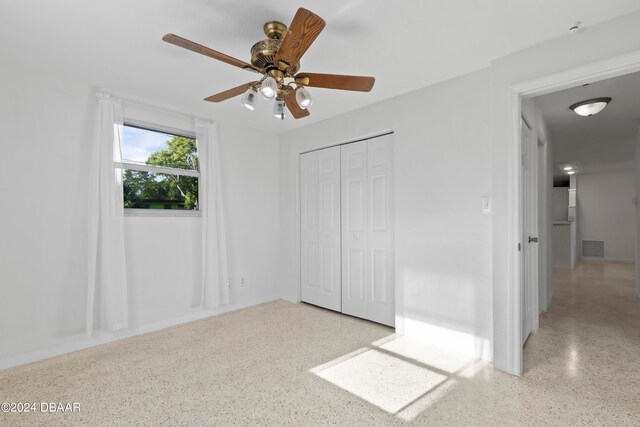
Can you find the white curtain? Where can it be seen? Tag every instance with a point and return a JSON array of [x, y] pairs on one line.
[[107, 281], [215, 280]]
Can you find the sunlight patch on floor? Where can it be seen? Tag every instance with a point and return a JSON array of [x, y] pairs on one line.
[[386, 381], [428, 354], [400, 375]]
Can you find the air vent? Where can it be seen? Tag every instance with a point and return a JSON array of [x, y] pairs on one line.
[[593, 248]]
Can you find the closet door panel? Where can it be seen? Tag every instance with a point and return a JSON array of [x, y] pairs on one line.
[[329, 228], [309, 227], [355, 292], [380, 272]]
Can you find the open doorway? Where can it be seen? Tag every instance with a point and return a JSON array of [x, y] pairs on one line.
[[584, 290]]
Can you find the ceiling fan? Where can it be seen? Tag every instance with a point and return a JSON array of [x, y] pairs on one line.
[[277, 58]]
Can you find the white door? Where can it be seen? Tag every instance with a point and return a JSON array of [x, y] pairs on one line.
[[320, 228], [367, 230], [354, 228], [529, 230], [380, 274]]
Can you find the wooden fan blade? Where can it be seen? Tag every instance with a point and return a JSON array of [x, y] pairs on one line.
[[203, 50], [292, 105], [230, 93], [303, 30], [336, 81]]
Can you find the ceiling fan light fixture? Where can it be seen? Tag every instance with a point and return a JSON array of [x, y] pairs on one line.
[[269, 88], [303, 97], [590, 107], [277, 60], [279, 110], [249, 98]]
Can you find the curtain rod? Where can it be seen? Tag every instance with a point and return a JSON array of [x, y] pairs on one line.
[[191, 117]]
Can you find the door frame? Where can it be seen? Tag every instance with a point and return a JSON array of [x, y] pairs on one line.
[[600, 70]]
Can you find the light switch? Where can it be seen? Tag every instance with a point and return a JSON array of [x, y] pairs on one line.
[[486, 205]]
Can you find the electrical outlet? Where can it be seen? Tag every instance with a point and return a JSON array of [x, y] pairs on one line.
[[242, 282]]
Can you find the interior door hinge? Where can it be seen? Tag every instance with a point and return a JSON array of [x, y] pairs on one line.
[[519, 247]]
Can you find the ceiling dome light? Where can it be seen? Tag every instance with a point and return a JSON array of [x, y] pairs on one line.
[[279, 110], [567, 168], [571, 172], [590, 107], [303, 98], [269, 88], [249, 98]]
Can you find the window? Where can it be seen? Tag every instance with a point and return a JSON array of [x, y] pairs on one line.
[[161, 170]]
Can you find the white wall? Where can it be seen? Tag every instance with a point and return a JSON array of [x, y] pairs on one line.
[[46, 124], [251, 174], [597, 43], [562, 245], [442, 240], [560, 203], [606, 211]]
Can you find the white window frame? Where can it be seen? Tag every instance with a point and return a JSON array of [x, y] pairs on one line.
[[161, 169]]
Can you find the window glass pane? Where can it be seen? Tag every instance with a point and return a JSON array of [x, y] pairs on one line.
[[148, 190], [157, 190], [152, 147]]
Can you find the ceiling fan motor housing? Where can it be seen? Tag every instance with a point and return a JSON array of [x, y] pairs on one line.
[[263, 53]]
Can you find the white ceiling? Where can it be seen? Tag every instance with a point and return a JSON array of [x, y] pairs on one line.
[[599, 141], [116, 44]]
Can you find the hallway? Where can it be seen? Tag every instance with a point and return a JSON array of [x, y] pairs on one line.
[[588, 343]]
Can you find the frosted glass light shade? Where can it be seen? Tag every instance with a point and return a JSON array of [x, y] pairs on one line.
[[248, 100], [303, 98], [269, 88], [279, 110], [590, 107]]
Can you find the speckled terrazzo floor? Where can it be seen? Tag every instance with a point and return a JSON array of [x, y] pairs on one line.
[[293, 364]]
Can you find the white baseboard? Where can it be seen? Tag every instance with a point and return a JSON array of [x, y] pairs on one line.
[[291, 298], [448, 339], [82, 341]]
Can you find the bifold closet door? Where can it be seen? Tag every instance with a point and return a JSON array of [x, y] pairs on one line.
[[367, 230], [320, 228]]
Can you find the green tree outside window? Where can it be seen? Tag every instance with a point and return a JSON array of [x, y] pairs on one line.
[[149, 190]]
